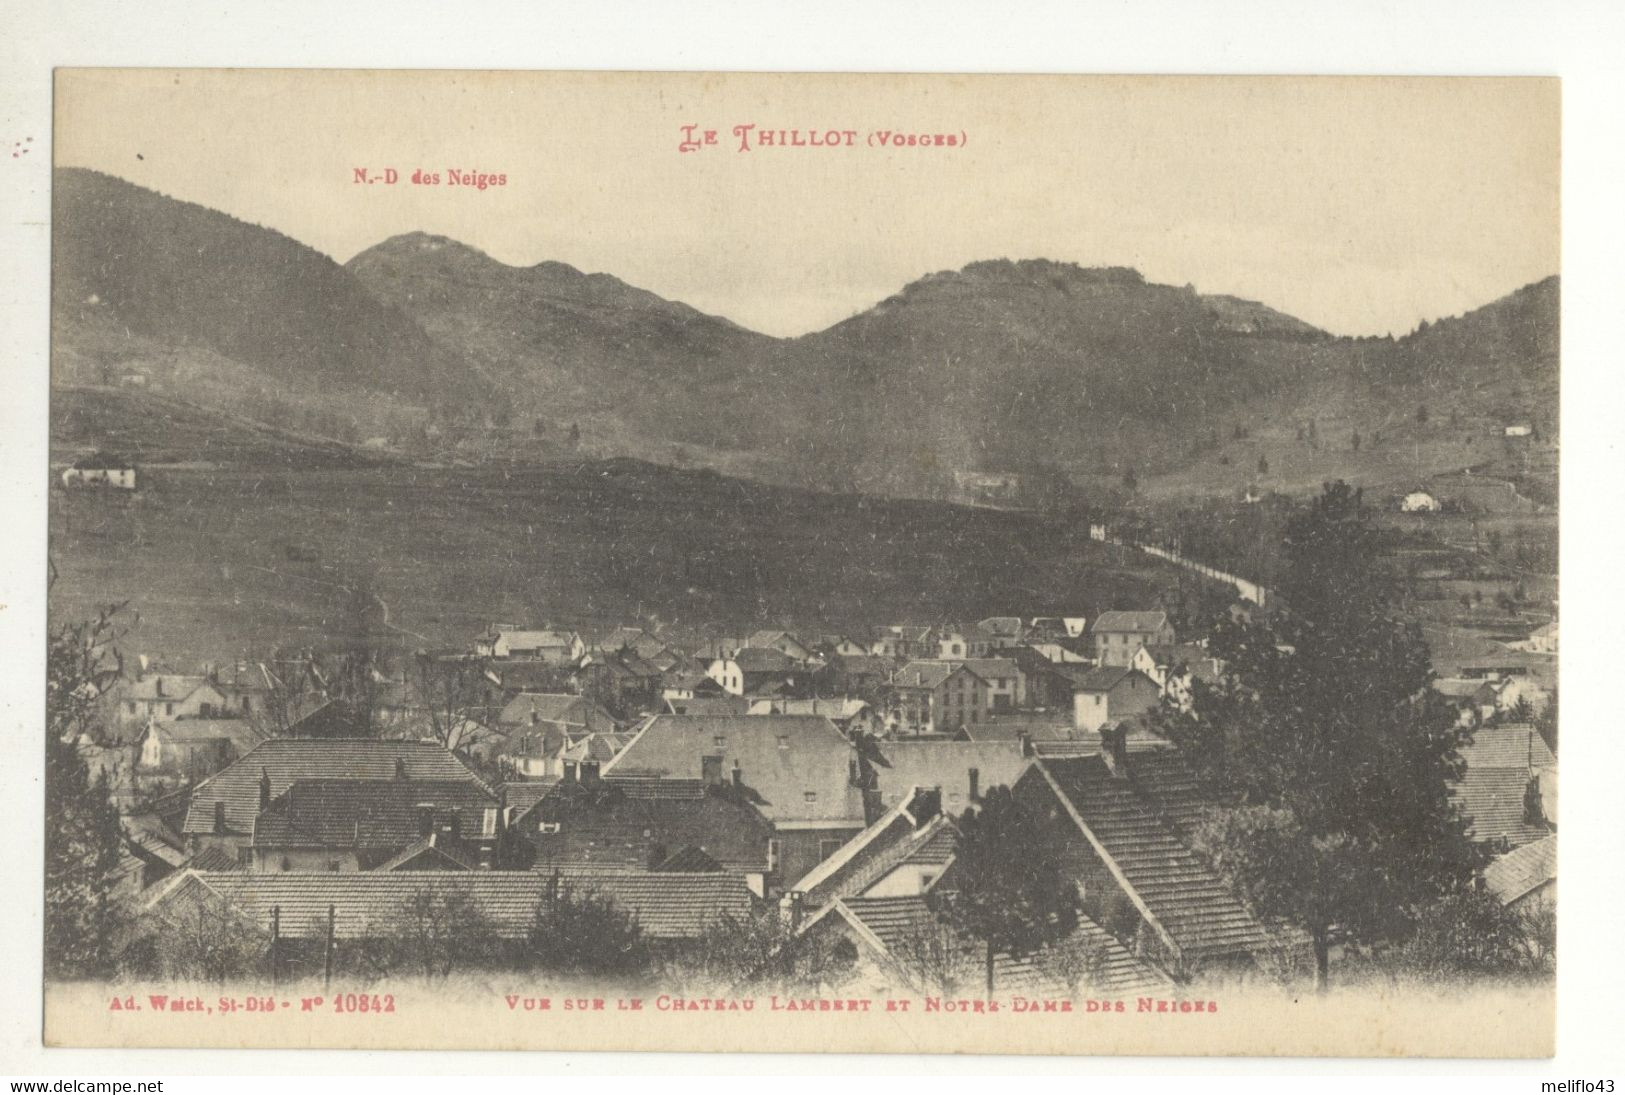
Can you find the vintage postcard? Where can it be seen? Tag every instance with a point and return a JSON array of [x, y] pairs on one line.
[[919, 564]]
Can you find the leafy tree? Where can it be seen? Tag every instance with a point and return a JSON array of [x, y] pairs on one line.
[[198, 937], [1469, 932], [1263, 465], [1422, 415], [760, 949], [1546, 722], [85, 921], [1330, 750], [575, 435], [432, 934], [1011, 895], [579, 931], [1354, 442]]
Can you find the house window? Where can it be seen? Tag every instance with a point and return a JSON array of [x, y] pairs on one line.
[[169, 709], [287, 864], [809, 796], [333, 865], [784, 741], [773, 850], [132, 707], [827, 848], [719, 741]]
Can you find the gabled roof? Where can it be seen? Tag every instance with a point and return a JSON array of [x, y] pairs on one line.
[[536, 640], [1099, 678], [906, 632], [242, 734], [1493, 800], [1510, 745], [425, 854], [630, 832], [929, 673], [667, 905], [840, 709], [595, 747], [560, 708], [891, 922], [862, 665], [902, 765], [1464, 688], [520, 796], [711, 706], [898, 836], [1521, 870], [990, 669], [285, 760], [764, 659], [799, 767], [1141, 823], [377, 813], [767, 637], [1136, 623], [1004, 627], [168, 687]]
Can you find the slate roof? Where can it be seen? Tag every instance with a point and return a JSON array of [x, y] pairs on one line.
[[621, 831], [1522, 870], [1141, 822], [214, 858], [1008, 627], [595, 747], [288, 759], [1137, 623], [667, 905], [1464, 688], [535, 640], [829, 708], [379, 813], [799, 767], [862, 665], [902, 765], [892, 920], [427, 849]]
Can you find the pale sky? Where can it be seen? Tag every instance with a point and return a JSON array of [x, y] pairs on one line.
[[1358, 205]]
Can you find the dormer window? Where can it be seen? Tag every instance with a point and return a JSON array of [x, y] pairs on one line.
[[809, 796]]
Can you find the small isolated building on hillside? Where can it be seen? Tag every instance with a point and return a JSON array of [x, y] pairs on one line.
[[101, 469], [1419, 501]]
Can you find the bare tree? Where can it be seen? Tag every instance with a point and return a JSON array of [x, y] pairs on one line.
[[938, 959], [452, 693]]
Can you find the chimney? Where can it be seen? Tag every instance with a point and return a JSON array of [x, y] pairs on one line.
[[400, 767], [1025, 742], [265, 788], [927, 804], [450, 825], [738, 775], [219, 817], [1114, 748], [975, 784], [790, 907], [425, 812]]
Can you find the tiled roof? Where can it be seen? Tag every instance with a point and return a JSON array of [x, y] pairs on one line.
[[1492, 800], [924, 674], [658, 787], [1464, 688], [893, 920], [862, 665], [1138, 623], [902, 765], [242, 734], [214, 858], [537, 640], [711, 705], [1008, 627], [798, 767], [667, 905], [595, 747], [1523, 869], [832, 709], [1100, 678], [764, 659], [1512, 745], [427, 850], [522, 795], [560, 708], [890, 841], [1141, 822], [288, 759], [377, 813], [164, 686], [621, 831], [247, 677]]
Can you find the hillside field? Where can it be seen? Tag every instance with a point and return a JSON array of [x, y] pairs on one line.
[[229, 562]]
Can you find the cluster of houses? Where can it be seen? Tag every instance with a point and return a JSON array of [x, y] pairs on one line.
[[815, 779]]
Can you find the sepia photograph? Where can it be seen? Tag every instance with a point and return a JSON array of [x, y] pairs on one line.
[[804, 562]]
